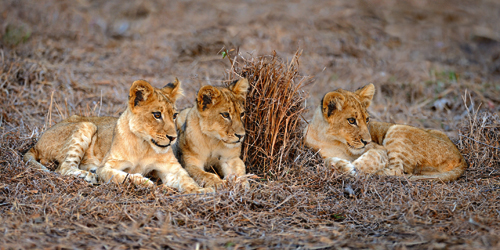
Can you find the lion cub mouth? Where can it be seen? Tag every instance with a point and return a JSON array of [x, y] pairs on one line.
[[161, 146], [353, 147]]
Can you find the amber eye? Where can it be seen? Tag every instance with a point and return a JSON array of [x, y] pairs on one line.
[[367, 119], [175, 115], [242, 114], [157, 115], [225, 115], [352, 121]]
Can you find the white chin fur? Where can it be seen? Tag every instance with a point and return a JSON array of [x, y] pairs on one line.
[[357, 151], [159, 150], [232, 145]]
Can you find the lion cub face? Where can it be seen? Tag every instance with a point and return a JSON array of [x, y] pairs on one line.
[[347, 116], [222, 110], [153, 113]]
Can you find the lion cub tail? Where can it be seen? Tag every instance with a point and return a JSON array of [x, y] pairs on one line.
[[30, 158], [450, 175]]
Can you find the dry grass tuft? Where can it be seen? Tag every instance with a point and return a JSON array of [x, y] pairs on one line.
[[479, 142], [275, 104]]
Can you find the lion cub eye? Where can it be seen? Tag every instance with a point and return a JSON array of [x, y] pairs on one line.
[[367, 119], [175, 115], [242, 114], [157, 115], [225, 115], [351, 121]]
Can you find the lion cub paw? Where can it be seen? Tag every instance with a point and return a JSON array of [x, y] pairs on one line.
[[350, 169], [138, 179], [343, 166], [239, 180], [204, 190], [91, 178], [87, 176], [213, 182]]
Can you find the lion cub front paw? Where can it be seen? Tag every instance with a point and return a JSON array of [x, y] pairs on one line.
[[350, 169], [138, 179], [212, 181], [91, 178], [204, 190], [87, 176], [391, 171], [343, 166], [194, 189], [239, 180]]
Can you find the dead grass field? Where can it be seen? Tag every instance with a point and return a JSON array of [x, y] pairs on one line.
[[436, 64]]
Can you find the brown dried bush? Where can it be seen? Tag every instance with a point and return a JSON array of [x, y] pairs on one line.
[[479, 142], [274, 107]]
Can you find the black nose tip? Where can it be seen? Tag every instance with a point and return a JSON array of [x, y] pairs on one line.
[[239, 136], [364, 142], [171, 138]]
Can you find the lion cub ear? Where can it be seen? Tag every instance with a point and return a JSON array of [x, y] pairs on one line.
[[331, 102], [366, 94], [173, 90], [207, 96], [139, 93], [240, 87]]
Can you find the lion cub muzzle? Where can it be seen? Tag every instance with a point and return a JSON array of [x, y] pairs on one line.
[[240, 137], [171, 141]]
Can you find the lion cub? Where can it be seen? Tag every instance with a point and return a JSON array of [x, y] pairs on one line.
[[128, 147], [211, 133], [344, 136]]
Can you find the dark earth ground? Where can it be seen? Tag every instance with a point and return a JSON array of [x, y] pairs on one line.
[[425, 58]]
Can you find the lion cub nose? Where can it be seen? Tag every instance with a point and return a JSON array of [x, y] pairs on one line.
[[365, 142], [171, 138], [239, 136]]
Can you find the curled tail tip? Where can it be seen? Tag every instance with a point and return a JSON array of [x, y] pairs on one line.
[[444, 177]]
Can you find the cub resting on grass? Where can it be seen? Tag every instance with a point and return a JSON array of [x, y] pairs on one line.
[[210, 134], [343, 135], [136, 143]]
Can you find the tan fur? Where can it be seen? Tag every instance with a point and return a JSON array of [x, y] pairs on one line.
[[207, 139], [377, 147], [120, 149]]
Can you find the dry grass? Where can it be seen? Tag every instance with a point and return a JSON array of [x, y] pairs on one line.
[[275, 105], [312, 208], [79, 60], [317, 208], [479, 142]]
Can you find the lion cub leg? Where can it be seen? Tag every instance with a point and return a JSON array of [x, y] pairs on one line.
[[76, 147], [341, 165], [173, 175], [195, 168], [395, 166], [373, 160], [113, 171], [400, 153], [234, 167]]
